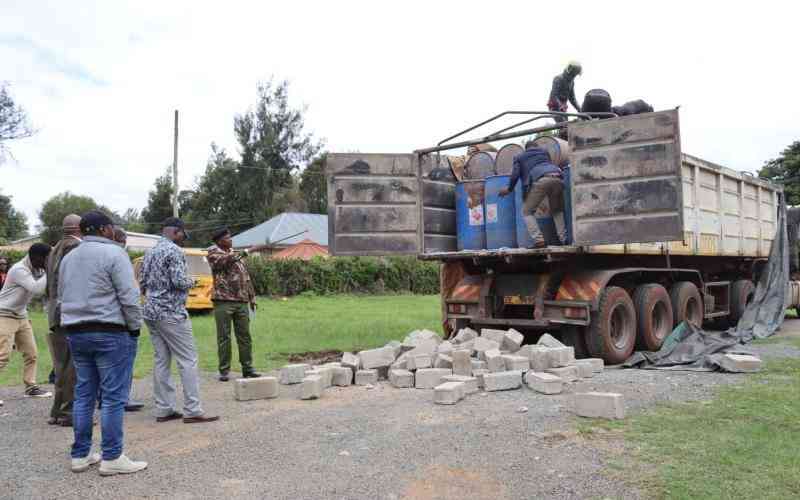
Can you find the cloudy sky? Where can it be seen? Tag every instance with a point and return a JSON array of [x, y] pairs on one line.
[[100, 80]]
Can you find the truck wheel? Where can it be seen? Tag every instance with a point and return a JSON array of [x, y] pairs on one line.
[[686, 303], [654, 316], [575, 336], [742, 293], [612, 331]]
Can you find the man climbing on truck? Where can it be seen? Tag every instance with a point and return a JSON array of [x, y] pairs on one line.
[[563, 91]]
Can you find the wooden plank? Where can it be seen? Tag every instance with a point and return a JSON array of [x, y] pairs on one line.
[[362, 219], [637, 128], [629, 198], [630, 162], [368, 164], [375, 190]]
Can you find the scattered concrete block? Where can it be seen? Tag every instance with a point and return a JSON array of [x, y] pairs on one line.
[[443, 361], [247, 389], [548, 340], [516, 363], [351, 361], [427, 346], [739, 363], [461, 362], [493, 335], [585, 368], [325, 372], [445, 347], [448, 393], [478, 374], [482, 345], [428, 378], [376, 358], [512, 340], [599, 405], [540, 358], [311, 387], [464, 335], [342, 376], [546, 383], [478, 364], [502, 381], [401, 378], [597, 364], [419, 361], [469, 345], [561, 356], [525, 351], [565, 373], [366, 377], [470, 383], [293, 374], [494, 361], [395, 346]]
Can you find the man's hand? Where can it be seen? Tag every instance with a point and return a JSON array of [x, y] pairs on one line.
[[253, 306], [504, 191]]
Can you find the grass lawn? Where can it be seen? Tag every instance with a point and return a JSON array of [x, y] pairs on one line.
[[743, 444], [281, 327]]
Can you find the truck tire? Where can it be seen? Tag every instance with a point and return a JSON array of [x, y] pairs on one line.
[[575, 336], [742, 292], [654, 316], [686, 303], [612, 331]]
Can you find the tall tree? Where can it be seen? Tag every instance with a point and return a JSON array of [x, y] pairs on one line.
[[785, 170], [132, 220], [13, 223], [14, 122], [59, 206], [313, 187], [159, 203]]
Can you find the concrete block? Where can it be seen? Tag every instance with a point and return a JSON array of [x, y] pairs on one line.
[[525, 351], [740, 363], [546, 383], [470, 383], [502, 381], [599, 405], [445, 347], [376, 358], [478, 374], [597, 364], [482, 345], [418, 361], [464, 335], [443, 361], [494, 361], [517, 363], [493, 335], [416, 337], [512, 340], [364, 377], [540, 358], [461, 362], [293, 374], [478, 365], [325, 372], [395, 346], [428, 378], [401, 378], [342, 376], [448, 393], [585, 368], [311, 387], [351, 361], [247, 389], [561, 356], [427, 346], [548, 340], [565, 373], [469, 345]]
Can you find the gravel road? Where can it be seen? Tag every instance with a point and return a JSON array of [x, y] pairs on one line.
[[380, 443]]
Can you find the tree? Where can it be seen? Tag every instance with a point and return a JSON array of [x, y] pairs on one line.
[[131, 220], [313, 188], [785, 170], [14, 122], [13, 223], [159, 203], [59, 206]]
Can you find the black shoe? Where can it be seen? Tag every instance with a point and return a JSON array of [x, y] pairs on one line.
[[134, 405], [35, 391], [172, 416], [223, 377], [251, 375]]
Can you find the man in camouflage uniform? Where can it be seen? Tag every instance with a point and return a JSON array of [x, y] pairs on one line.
[[233, 297]]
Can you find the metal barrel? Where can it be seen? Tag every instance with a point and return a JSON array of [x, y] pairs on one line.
[[557, 149], [480, 165], [470, 215], [504, 162], [501, 217]]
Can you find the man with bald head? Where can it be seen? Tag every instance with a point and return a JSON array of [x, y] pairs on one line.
[[64, 387]]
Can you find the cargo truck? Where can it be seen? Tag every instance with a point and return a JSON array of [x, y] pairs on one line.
[[659, 236]]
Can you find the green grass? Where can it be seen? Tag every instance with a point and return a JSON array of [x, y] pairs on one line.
[[281, 327], [743, 444]]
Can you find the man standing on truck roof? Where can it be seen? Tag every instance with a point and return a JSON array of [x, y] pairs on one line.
[[540, 179], [563, 91], [234, 297]]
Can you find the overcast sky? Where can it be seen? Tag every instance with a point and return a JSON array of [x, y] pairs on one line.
[[100, 80]]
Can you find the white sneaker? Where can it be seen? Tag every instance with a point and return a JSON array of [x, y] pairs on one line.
[[83, 464], [122, 465]]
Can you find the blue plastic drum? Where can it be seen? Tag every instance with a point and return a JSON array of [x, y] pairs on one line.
[[470, 215], [501, 218]]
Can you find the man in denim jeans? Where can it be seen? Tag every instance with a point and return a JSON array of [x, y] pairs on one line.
[[101, 314]]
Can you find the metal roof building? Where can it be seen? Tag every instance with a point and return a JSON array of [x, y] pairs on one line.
[[285, 230]]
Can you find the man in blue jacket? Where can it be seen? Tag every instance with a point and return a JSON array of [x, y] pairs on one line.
[[540, 179]]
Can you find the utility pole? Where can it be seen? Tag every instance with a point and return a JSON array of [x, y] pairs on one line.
[[175, 170]]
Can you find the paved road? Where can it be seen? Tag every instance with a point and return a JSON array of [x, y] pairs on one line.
[[353, 443]]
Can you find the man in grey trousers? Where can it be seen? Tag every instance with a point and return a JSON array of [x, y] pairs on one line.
[[165, 282]]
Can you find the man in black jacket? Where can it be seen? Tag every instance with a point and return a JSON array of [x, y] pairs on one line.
[[563, 91]]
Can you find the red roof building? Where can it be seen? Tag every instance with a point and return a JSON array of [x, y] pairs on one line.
[[305, 250]]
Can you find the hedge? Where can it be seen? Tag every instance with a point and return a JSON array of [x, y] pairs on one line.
[[360, 275]]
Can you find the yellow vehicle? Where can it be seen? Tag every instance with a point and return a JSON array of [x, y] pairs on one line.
[[199, 298]]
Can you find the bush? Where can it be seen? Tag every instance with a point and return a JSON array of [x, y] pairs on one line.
[[359, 275]]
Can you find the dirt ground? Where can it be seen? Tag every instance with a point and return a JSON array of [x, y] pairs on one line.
[[353, 443]]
